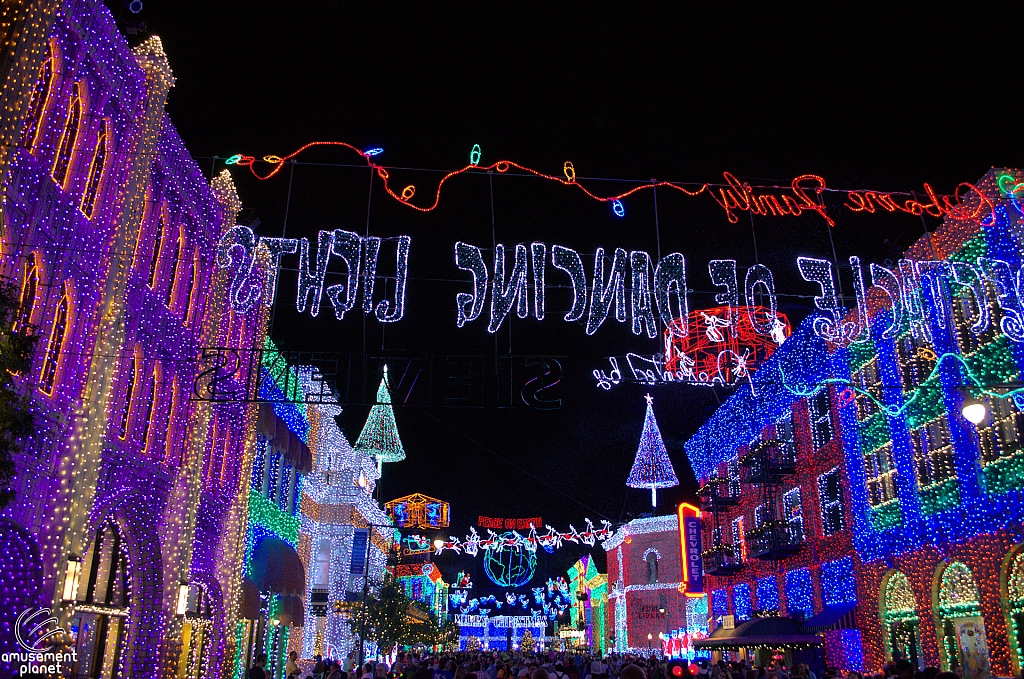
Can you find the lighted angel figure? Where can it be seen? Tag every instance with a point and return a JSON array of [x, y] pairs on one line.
[[535, 613], [715, 326], [538, 595], [684, 368], [778, 332], [484, 611], [523, 600], [472, 543], [510, 598]]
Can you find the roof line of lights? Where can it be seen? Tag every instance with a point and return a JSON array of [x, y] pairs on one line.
[[802, 195]]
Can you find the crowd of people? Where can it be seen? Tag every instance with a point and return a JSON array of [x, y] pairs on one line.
[[569, 665]]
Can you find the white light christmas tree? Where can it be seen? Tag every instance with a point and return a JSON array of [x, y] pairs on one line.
[[379, 437], [652, 468]]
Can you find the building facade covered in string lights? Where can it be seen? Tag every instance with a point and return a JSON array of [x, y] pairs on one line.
[[847, 488], [589, 590], [646, 599], [128, 519], [344, 535]]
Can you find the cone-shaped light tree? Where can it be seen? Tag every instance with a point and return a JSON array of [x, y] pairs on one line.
[[652, 468], [379, 437]]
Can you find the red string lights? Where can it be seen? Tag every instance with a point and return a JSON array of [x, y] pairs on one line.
[[733, 196]]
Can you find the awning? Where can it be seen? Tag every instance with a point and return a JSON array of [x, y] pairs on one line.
[[298, 456], [760, 632], [292, 611], [832, 617], [414, 615], [266, 424], [282, 438], [276, 568], [250, 607]]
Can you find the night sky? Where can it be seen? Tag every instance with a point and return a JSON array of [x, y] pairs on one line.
[[870, 101]]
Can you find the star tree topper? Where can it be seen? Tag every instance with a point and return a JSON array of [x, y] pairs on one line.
[[379, 437], [652, 468]]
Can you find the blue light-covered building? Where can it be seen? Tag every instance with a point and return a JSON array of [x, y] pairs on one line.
[[844, 485]]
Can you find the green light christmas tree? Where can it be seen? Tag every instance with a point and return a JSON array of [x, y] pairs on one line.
[[379, 437], [652, 468]]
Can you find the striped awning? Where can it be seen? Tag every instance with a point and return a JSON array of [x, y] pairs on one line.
[[842, 616]]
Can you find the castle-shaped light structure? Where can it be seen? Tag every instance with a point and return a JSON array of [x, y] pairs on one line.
[[652, 468]]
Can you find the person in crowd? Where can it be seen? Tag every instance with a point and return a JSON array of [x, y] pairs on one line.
[[632, 671], [291, 666], [257, 671]]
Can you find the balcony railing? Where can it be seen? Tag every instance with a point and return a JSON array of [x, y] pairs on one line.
[[721, 560], [774, 540], [766, 461], [717, 493]]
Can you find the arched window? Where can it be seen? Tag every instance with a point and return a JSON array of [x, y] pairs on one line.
[[95, 178], [899, 617], [37, 105], [55, 347], [190, 292], [27, 298], [652, 566], [68, 138], [126, 414], [147, 423], [172, 286], [158, 241], [106, 568], [959, 598]]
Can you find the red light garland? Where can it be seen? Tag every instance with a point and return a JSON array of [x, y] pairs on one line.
[[733, 196]]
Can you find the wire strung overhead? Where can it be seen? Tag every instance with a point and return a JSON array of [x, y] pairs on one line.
[[804, 193]]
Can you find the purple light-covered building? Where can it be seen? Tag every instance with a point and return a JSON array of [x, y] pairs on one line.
[[130, 507]]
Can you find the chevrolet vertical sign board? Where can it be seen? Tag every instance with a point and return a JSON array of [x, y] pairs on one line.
[[689, 541]]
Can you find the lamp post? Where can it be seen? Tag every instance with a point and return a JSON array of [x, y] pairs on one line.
[[973, 410]]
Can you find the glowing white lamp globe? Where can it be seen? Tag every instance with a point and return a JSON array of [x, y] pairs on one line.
[[973, 410]]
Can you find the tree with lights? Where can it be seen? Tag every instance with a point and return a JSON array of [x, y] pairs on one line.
[[17, 342], [472, 644], [527, 643], [388, 622], [652, 468], [379, 437]]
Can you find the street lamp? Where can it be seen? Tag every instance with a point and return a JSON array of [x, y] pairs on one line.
[[973, 410], [649, 638]]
